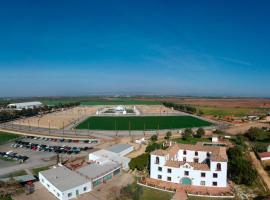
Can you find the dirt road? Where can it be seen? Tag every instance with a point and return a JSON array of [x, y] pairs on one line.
[[260, 169]]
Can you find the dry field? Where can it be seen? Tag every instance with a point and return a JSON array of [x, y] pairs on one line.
[[155, 109], [219, 103], [59, 119]]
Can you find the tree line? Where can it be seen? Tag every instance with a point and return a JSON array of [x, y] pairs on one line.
[[8, 115], [181, 107]]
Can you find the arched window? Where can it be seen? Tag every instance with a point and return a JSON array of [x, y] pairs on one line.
[[185, 152], [208, 154], [218, 167], [157, 160]]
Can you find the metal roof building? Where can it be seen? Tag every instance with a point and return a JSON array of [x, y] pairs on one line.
[[121, 149], [25, 105], [67, 184], [104, 156]]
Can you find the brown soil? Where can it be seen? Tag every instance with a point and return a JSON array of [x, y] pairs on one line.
[[220, 103]]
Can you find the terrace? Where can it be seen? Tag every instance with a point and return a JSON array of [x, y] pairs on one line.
[[189, 189]]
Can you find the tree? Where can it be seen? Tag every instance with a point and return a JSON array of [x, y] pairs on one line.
[[140, 162], [240, 170], [168, 135], [187, 134], [154, 138], [153, 146], [200, 133]]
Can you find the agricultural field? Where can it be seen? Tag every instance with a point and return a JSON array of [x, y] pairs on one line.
[[236, 112], [142, 123]]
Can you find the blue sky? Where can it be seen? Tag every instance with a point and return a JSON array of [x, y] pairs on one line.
[[82, 47]]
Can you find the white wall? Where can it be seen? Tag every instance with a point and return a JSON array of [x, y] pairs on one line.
[[195, 175], [63, 195]]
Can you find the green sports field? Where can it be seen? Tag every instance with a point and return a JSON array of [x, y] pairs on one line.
[[141, 123]]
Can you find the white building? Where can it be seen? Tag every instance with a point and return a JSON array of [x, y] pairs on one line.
[[186, 164], [104, 156], [66, 184], [121, 149], [25, 105]]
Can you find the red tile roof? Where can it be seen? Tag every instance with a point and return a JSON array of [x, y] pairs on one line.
[[217, 153], [264, 154]]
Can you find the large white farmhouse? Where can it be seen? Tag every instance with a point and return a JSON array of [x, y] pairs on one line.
[[198, 165]]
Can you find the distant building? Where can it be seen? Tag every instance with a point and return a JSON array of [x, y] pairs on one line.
[[25, 105], [186, 164]]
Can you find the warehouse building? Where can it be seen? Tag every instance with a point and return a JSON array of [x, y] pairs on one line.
[[66, 184], [121, 149], [104, 156], [25, 105]]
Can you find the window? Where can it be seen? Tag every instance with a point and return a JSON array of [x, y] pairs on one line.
[[42, 180], [58, 194], [157, 160], [214, 183], [186, 173], [185, 152], [48, 185], [160, 169], [202, 182], [202, 174], [208, 154], [69, 194], [159, 177], [196, 160], [84, 189], [185, 159], [218, 167], [169, 178], [169, 170], [196, 153], [215, 175]]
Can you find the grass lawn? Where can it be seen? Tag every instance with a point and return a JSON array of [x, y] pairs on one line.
[[13, 174], [5, 137], [191, 140], [39, 169], [152, 194], [237, 112], [142, 123]]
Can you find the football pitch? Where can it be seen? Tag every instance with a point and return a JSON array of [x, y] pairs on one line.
[[141, 123]]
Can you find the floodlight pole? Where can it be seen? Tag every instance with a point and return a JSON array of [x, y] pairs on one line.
[[129, 129], [63, 127]]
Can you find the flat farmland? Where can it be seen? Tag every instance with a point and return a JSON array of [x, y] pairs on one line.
[[142, 123]]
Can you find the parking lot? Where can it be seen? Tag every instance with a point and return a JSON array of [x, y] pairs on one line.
[[39, 156], [63, 146]]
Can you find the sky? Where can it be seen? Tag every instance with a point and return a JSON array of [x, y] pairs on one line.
[[169, 47]]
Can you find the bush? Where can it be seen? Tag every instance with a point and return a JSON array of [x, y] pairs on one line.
[[168, 135], [153, 146], [140, 163], [154, 138], [200, 133], [187, 134], [257, 134]]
